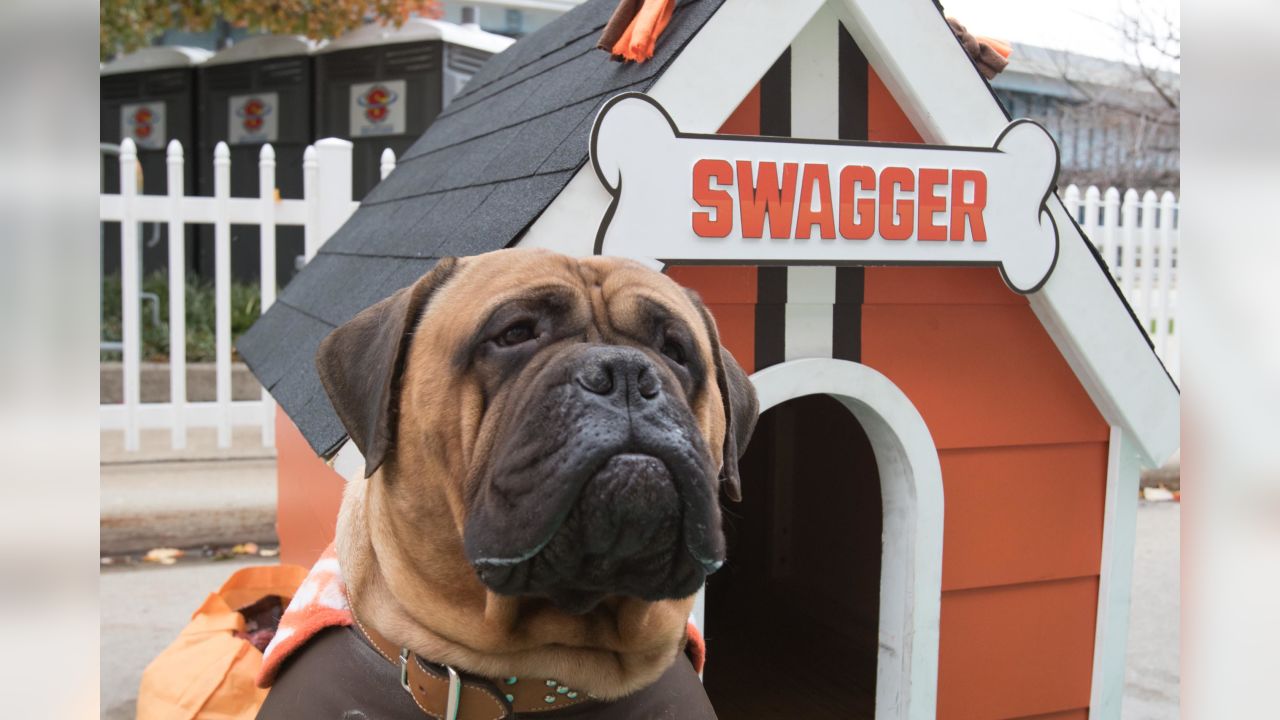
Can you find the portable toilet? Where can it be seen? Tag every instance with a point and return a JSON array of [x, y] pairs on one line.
[[149, 97], [258, 91], [381, 86]]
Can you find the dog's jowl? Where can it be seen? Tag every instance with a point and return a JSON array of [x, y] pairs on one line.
[[546, 442]]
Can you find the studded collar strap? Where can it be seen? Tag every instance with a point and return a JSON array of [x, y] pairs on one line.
[[446, 694]]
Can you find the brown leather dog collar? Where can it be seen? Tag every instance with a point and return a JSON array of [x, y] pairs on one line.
[[446, 694]]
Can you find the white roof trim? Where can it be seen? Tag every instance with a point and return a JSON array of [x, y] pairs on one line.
[[262, 47], [950, 104], [156, 58], [419, 30]]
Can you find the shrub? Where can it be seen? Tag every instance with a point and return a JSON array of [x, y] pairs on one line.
[[245, 308]]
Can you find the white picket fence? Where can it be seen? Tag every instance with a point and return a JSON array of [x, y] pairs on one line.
[[325, 206], [1138, 238]]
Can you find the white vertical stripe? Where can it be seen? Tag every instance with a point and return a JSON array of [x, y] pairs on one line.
[[810, 324], [809, 284], [815, 78], [815, 113]]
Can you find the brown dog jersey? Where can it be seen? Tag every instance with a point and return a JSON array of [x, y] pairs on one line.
[[340, 676]]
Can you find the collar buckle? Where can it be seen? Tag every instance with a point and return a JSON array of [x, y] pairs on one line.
[[404, 670], [454, 700], [455, 694]]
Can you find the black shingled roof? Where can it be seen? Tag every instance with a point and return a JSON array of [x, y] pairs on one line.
[[480, 175]]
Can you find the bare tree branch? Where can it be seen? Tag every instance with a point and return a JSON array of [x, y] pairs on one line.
[[1117, 123]]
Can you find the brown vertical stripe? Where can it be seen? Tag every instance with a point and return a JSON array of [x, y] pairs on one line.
[[771, 282], [771, 315], [846, 342], [775, 98], [853, 88]]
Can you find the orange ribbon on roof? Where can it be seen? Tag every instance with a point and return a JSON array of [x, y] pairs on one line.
[[1002, 48], [989, 55], [633, 31]]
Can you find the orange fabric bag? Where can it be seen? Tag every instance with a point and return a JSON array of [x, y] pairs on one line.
[[208, 672]]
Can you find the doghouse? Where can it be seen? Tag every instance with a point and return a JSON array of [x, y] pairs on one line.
[[939, 500]]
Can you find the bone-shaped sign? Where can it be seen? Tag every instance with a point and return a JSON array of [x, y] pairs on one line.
[[693, 198]]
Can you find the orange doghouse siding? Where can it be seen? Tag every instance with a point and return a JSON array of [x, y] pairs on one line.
[[1023, 453], [1024, 467], [309, 494]]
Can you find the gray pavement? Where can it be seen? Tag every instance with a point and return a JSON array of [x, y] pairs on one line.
[[202, 444], [1151, 674], [202, 494], [187, 504]]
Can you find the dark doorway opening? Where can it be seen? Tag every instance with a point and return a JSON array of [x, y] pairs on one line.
[[792, 620]]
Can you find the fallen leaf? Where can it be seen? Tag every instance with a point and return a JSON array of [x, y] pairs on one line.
[[163, 556]]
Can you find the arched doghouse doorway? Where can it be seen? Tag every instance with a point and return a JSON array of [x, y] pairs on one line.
[[881, 434]]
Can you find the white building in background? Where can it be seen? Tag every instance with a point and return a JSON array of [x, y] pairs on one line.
[[1115, 123], [515, 18]]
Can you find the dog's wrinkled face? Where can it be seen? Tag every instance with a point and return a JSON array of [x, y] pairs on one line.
[[581, 413]]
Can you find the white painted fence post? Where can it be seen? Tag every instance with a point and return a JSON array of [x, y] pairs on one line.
[[267, 266], [1092, 201], [222, 289], [310, 195], [1146, 275], [333, 187], [1110, 230], [1167, 309], [1128, 242], [1071, 199], [388, 163], [130, 262], [177, 298]]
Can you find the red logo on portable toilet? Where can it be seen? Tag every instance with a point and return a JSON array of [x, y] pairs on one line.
[[253, 114], [377, 103], [142, 119]]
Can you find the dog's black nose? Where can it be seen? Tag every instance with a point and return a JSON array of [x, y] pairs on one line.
[[624, 372]]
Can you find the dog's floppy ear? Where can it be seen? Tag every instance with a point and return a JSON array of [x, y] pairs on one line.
[[741, 407], [361, 363]]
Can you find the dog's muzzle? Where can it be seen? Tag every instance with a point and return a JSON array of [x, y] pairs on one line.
[[606, 487]]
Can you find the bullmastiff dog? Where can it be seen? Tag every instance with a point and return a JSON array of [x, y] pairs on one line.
[[546, 439]]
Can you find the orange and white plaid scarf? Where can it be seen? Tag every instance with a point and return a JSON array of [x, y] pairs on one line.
[[321, 602]]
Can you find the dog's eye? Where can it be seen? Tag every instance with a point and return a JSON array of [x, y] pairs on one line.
[[673, 350], [516, 334]]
